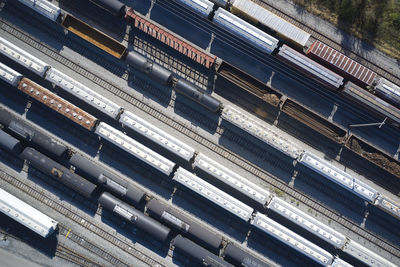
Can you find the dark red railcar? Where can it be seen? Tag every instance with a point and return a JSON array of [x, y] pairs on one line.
[[57, 103], [342, 64], [170, 39]]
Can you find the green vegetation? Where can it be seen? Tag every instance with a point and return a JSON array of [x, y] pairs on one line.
[[278, 192], [375, 21]]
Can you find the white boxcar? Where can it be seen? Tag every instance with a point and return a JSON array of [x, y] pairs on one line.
[[292, 239], [327, 170], [157, 135], [213, 194], [26, 214], [284, 28], [9, 75], [231, 179], [365, 255], [309, 67], [43, 7], [245, 31], [388, 91], [365, 191], [389, 205], [82, 92], [261, 131], [307, 222], [20, 56], [340, 263], [201, 7], [134, 148]]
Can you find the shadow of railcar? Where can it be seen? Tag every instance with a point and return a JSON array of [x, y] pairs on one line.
[[46, 246]]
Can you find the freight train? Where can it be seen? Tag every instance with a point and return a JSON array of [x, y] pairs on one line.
[[161, 214], [16, 77], [204, 189], [329, 57], [25, 214], [294, 35], [303, 114], [338, 67], [245, 122]]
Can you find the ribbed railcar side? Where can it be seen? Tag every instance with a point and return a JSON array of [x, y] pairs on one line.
[[389, 205], [26, 215], [9, 75], [157, 135], [245, 31], [22, 57], [366, 256], [83, 92], [365, 191], [307, 222], [388, 91], [291, 239], [58, 104], [327, 170], [232, 179], [213, 194], [285, 29], [134, 148], [342, 64], [200, 7], [43, 7], [171, 39], [371, 102], [262, 131], [309, 67]]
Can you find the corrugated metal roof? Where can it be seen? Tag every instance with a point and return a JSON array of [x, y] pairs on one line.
[[272, 21], [244, 30], [309, 66], [342, 62], [363, 97]]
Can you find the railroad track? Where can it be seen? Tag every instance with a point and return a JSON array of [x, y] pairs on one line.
[[325, 39], [74, 257], [64, 252], [25, 187], [204, 141], [143, 46]]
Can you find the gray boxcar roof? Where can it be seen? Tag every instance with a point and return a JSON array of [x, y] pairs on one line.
[[309, 66], [274, 22], [367, 99]]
